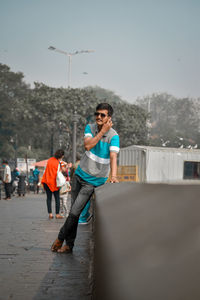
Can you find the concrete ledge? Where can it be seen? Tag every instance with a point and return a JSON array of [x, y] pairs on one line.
[[147, 242]]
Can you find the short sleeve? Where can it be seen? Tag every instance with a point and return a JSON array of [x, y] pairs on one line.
[[88, 132], [114, 144]]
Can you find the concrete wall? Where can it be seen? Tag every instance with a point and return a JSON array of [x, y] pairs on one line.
[[147, 242]]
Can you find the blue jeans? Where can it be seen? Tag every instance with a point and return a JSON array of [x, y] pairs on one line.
[[80, 194]]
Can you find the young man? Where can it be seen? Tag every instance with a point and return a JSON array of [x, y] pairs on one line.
[[101, 142], [7, 180]]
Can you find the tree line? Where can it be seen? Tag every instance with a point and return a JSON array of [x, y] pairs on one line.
[[34, 122], [172, 122]]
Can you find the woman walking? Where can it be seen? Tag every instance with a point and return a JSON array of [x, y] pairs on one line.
[[49, 181]]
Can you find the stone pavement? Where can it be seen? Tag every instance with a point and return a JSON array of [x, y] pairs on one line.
[[28, 269]]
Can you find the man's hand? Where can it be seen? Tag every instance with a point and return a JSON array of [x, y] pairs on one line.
[[106, 126], [90, 142], [114, 179], [113, 167]]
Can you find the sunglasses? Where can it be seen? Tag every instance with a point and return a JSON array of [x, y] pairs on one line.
[[100, 114]]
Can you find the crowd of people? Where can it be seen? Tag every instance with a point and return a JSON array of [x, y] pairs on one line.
[[16, 182]]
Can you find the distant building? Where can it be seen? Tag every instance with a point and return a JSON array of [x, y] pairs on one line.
[[162, 165], [25, 165]]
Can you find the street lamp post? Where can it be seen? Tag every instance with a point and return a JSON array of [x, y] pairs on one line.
[[75, 120], [14, 142], [148, 121], [69, 54], [75, 117]]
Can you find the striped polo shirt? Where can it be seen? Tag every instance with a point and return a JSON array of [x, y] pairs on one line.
[[94, 166]]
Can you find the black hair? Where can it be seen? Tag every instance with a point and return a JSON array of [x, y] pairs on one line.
[[59, 153], [5, 161], [105, 106]]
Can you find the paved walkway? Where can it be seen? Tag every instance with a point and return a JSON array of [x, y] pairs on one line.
[[28, 269]]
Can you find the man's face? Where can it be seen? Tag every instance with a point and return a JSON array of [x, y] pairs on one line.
[[101, 116]]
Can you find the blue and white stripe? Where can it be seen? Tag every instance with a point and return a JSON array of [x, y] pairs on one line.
[[95, 164]]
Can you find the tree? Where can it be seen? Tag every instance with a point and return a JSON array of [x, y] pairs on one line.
[[40, 120], [174, 122], [13, 97]]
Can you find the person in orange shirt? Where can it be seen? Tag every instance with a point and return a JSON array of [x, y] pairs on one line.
[[49, 181]]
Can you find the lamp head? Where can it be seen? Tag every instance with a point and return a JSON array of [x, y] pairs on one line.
[[52, 48]]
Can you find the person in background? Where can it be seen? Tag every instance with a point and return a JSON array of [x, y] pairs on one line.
[[7, 180], [22, 184], [49, 181], [65, 203], [15, 179], [15, 174], [36, 174], [101, 142]]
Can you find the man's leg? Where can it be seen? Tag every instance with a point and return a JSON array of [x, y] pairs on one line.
[[76, 186], [84, 214], [69, 229]]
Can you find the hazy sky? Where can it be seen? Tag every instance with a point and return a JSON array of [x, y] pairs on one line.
[[141, 46]]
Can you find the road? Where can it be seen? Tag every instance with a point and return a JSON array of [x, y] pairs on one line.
[[28, 269]]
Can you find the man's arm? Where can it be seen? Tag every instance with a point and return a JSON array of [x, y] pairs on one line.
[[90, 142], [113, 167]]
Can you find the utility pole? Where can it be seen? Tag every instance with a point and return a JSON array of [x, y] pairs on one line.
[[148, 123], [69, 54], [75, 119]]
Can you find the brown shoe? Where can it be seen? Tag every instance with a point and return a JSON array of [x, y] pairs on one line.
[[57, 244], [65, 249], [50, 216], [59, 217]]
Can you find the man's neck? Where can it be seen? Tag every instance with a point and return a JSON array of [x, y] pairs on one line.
[[99, 127]]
